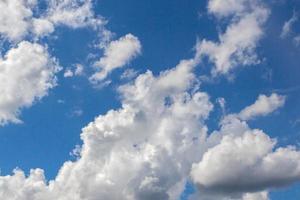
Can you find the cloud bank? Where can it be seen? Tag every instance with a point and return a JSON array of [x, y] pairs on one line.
[[158, 139]]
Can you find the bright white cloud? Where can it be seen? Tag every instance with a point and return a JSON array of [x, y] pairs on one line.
[[72, 13], [236, 46], [68, 73], [126, 152], [244, 162], [147, 148], [117, 54], [262, 106], [241, 160], [158, 139], [17, 19], [224, 8], [27, 72], [14, 17]]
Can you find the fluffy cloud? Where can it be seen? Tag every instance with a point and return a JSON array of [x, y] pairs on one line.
[[117, 54], [158, 139], [246, 163], [148, 148], [72, 13], [223, 8], [27, 73], [240, 160], [237, 44], [18, 18], [144, 150], [14, 18], [262, 106]]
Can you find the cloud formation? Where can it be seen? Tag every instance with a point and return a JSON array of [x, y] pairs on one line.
[[150, 147], [116, 54], [262, 106], [20, 18], [158, 139], [236, 46], [27, 73]]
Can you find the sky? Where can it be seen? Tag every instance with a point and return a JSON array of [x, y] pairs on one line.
[[140, 100]]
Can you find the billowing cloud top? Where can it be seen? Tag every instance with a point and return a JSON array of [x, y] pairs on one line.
[[158, 139]]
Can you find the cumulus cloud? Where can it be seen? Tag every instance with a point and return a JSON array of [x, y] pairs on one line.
[[236, 46], [18, 18], [148, 148], [262, 106], [158, 139], [72, 13], [246, 163], [241, 161], [126, 152], [27, 72], [14, 18], [116, 54]]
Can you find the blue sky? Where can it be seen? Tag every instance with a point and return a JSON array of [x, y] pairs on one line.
[[168, 32]]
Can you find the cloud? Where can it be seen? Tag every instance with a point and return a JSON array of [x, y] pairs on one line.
[[143, 150], [236, 46], [27, 73], [72, 13], [158, 139], [68, 73], [77, 71], [14, 18], [117, 54], [148, 148], [241, 160], [246, 163], [224, 8], [19, 18], [262, 106], [287, 26]]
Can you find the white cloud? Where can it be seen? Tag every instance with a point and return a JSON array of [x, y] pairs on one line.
[[73, 13], [17, 17], [14, 18], [157, 139], [117, 54], [27, 72], [126, 152], [287, 26], [241, 161], [68, 73], [262, 106], [146, 150], [236, 46], [223, 8], [42, 27], [77, 71], [245, 162]]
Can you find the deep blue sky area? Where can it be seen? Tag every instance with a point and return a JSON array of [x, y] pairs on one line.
[[168, 31]]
